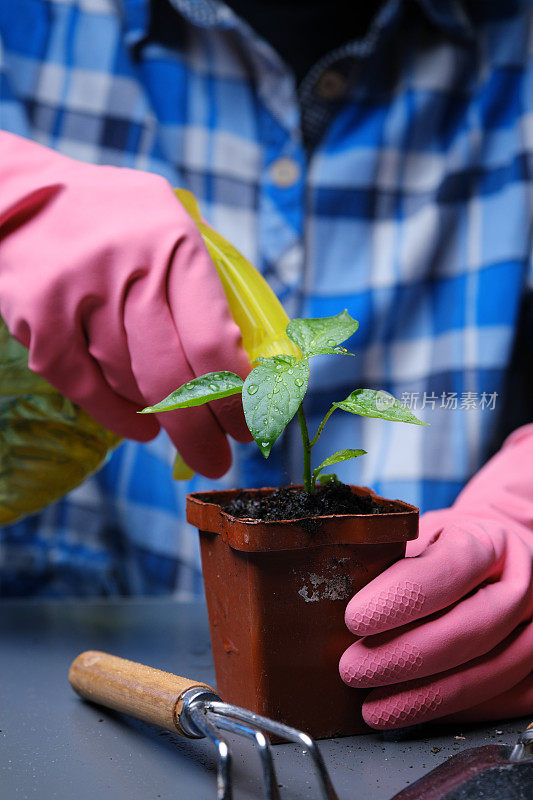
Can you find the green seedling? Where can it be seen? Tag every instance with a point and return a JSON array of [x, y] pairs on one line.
[[273, 393]]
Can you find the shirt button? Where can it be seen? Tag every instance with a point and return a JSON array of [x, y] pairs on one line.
[[285, 172], [331, 85]]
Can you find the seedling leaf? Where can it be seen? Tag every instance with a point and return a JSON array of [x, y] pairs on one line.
[[377, 403], [200, 390], [271, 395], [322, 335], [280, 358], [328, 477], [332, 351], [335, 458]]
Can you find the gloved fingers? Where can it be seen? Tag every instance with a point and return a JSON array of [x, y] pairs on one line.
[[413, 588], [199, 440], [451, 637], [515, 702], [73, 372], [160, 366], [455, 690], [230, 415], [211, 339], [430, 527]]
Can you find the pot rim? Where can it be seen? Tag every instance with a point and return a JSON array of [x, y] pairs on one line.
[[253, 535]]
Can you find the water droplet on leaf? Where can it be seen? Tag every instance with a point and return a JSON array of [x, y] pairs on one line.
[[279, 378], [290, 371], [332, 342], [213, 387], [252, 388], [279, 366], [276, 389], [299, 382], [265, 444], [189, 386]]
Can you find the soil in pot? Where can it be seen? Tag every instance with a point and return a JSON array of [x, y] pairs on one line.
[[276, 594], [292, 502]]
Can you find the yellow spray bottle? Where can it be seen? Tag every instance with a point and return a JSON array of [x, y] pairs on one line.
[[48, 445]]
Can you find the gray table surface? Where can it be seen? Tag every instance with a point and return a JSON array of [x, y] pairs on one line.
[[54, 745]]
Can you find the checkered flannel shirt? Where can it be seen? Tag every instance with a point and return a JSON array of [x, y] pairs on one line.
[[394, 181]]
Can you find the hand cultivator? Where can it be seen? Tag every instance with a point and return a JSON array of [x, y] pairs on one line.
[[193, 709]]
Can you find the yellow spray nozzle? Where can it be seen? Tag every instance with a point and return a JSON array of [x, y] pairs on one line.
[[253, 305]]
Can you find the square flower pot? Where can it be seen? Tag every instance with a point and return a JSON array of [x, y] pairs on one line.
[[276, 596]]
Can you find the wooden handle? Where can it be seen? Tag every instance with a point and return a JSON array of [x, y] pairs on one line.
[[142, 692]]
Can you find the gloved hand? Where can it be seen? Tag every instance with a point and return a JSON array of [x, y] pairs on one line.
[[105, 278], [448, 630]]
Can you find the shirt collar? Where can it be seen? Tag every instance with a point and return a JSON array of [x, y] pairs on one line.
[[449, 15], [202, 13]]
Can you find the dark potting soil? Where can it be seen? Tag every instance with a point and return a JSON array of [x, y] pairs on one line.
[[295, 503]]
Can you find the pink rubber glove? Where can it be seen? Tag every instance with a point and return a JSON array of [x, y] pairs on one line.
[[105, 278], [448, 630]]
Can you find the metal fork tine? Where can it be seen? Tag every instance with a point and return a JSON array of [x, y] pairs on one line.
[[203, 723], [284, 732], [270, 785]]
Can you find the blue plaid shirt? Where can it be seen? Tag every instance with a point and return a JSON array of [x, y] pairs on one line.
[[395, 181]]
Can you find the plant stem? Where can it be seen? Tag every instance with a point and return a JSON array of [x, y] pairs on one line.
[[308, 483], [321, 427]]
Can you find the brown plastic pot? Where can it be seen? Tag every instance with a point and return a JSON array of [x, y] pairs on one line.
[[276, 596]]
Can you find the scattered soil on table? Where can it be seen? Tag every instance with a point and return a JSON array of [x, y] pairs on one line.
[[295, 503]]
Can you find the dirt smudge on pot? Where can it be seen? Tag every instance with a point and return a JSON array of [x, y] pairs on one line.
[[336, 584]]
